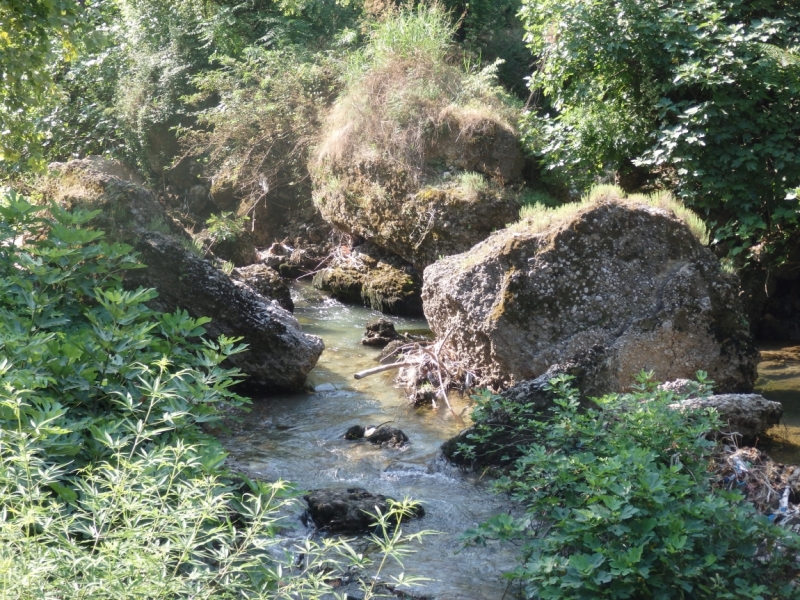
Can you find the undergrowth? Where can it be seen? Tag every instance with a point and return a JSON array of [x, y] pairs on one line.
[[619, 504], [109, 488]]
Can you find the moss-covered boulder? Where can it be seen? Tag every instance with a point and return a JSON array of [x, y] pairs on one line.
[[420, 224], [417, 154], [624, 275], [375, 278]]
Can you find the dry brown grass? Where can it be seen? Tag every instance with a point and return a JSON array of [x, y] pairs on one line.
[[403, 98]]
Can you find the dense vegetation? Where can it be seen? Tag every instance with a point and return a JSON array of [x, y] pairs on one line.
[[109, 486], [619, 503], [700, 96]]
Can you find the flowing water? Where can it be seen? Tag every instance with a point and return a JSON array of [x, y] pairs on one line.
[[300, 438], [779, 380]]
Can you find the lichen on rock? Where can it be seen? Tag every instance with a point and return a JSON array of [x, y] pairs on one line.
[[623, 275]]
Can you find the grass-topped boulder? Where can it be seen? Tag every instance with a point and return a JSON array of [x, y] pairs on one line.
[[417, 152], [631, 275]]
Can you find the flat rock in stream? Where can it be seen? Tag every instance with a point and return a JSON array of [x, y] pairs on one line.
[[348, 511]]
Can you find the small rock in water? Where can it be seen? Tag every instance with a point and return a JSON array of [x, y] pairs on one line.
[[379, 333], [356, 432], [385, 437], [325, 387], [347, 510]]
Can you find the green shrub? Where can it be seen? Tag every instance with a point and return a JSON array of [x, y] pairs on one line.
[[619, 504]]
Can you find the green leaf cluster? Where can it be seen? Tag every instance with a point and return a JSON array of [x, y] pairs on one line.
[[88, 368], [700, 94], [619, 504]]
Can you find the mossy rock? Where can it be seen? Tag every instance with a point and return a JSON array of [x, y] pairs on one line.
[[374, 278], [342, 283], [419, 223]]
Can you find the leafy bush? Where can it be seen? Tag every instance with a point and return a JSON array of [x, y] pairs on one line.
[[88, 359], [619, 504], [687, 90]]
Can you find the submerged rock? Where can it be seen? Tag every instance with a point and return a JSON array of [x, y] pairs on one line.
[[379, 333], [625, 277], [347, 511], [266, 282], [749, 415], [375, 278], [385, 437], [279, 354]]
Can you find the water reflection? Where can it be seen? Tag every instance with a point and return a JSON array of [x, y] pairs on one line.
[[779, 380]]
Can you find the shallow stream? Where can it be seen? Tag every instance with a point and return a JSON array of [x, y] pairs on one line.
[[300, 438], [779, 380]]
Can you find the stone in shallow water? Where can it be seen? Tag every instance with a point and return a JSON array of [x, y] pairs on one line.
[[385, 437], [347, 511], [380, 332]]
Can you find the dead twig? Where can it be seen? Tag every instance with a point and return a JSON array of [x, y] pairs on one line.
[[382, 368]]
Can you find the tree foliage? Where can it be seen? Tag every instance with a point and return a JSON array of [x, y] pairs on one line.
[[702, 93], [33, 35]]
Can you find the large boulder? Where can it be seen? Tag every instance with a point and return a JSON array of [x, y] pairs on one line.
[[627, 276], [418, 167], [419, 222], [279, 354]]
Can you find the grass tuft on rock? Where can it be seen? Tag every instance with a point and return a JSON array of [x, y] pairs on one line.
[[404, 89], [538, 216]]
